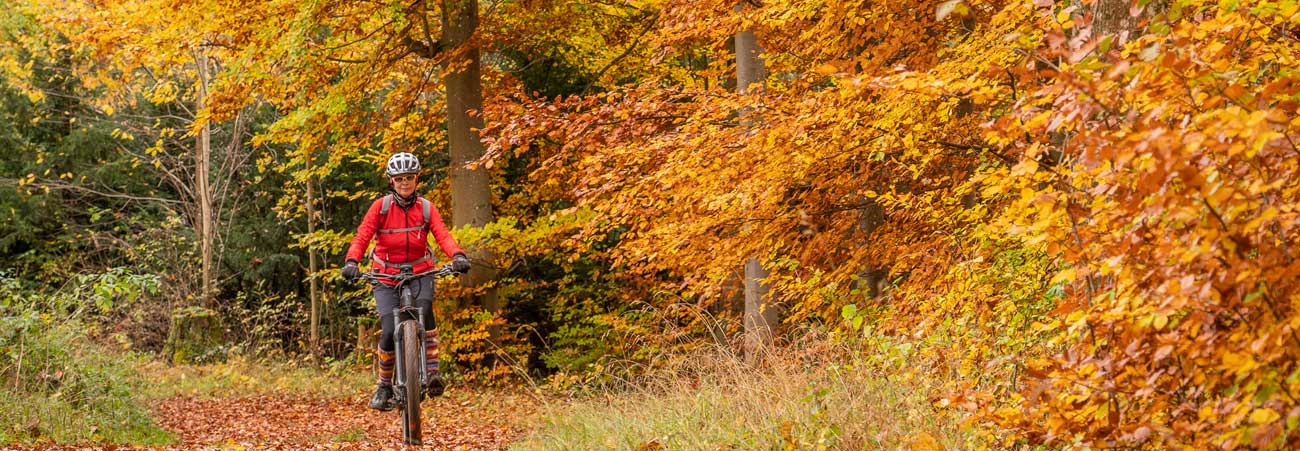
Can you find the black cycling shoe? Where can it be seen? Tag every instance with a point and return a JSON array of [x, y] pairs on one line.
[[383, 398], [436, 385]]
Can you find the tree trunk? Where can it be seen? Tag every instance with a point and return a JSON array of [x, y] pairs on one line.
[[872, 277], [471, 199], [1115, 17], [203, 192], [760, 317], [750, 68], [313, 265]]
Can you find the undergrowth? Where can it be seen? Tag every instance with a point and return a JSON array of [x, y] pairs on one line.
[[57, 385]]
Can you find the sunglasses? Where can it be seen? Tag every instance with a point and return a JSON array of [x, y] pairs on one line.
[[404, 178]]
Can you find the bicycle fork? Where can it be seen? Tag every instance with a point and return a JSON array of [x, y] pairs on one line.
[[410, 316]]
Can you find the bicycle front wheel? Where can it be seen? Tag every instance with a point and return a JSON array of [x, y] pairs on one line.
[[412, 356]]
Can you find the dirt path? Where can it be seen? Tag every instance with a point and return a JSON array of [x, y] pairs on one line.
[[460, 421]]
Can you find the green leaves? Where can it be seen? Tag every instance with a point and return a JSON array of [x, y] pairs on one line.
[[851, 314]]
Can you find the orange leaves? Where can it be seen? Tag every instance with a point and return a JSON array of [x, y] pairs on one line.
[[1175, 166], [460, 420]]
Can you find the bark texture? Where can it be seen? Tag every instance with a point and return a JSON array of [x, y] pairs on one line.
[[471, 199]]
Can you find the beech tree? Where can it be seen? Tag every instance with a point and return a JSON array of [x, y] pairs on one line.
[[761, 315], [470, 189]]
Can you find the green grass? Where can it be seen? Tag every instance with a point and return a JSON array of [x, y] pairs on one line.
[[350, 435], [78, 395], [40, 419], [243, 377], [711, 401]]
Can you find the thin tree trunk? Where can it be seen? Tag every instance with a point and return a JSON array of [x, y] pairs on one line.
[[202, 157], [313, 265], [471, 199], [872, 277], [760, 317]]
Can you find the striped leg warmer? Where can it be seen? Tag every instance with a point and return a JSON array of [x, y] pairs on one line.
[[386, 361]]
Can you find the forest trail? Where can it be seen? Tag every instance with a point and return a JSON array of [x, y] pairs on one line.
[[468, 421]]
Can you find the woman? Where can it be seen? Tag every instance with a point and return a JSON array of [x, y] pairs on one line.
[[400, 224]]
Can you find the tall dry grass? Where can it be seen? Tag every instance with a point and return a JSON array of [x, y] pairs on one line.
[[812, 394]]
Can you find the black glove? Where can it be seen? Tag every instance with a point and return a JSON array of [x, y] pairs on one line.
[[350, 271], [460, 263]]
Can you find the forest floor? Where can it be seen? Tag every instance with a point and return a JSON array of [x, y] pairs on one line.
[[462, 420], [254, 405]]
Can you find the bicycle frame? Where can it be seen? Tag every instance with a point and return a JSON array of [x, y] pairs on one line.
[[406, 315]]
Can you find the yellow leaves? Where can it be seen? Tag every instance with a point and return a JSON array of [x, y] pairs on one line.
[[1159, 321], [923, 441], [1024, 168], [1007, 413], [1267, 215], [1077, 320], [122, 135], [826, 69], [1064, 276], [1239, 363], [27, 180], [1263, 416]]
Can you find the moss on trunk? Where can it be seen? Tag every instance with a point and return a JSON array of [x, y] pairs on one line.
[[196, 336]]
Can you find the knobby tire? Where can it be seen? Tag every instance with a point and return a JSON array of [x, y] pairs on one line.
[[413, 355]]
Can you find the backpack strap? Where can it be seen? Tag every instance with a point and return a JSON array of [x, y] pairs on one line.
[[427, 256], [425, 206], [388, 202]]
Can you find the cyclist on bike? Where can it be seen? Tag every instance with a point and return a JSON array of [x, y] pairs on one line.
[[400, 224]]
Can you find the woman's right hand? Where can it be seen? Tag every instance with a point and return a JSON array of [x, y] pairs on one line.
[[350, 271]]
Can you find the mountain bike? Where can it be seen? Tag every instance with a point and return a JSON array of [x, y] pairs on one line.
[[410, 379]]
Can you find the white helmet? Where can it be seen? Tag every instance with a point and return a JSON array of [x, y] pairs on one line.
[[402, 163]]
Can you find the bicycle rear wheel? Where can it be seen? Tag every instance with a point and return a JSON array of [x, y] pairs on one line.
[[412, 369]]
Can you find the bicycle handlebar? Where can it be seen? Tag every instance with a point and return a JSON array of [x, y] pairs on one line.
[[444, 270]]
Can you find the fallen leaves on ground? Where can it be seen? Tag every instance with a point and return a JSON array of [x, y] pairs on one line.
[[460, 421]]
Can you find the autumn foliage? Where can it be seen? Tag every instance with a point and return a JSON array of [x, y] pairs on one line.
[[1084, 211], [1173, 208], [1104, 216]]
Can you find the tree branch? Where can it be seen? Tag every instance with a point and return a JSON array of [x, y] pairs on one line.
[[635, 41], [65, 186]]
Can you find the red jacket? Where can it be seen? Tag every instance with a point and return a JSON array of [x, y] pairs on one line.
[[401, 236]]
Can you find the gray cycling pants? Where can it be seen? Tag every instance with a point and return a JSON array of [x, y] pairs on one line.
[[387, 298]]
